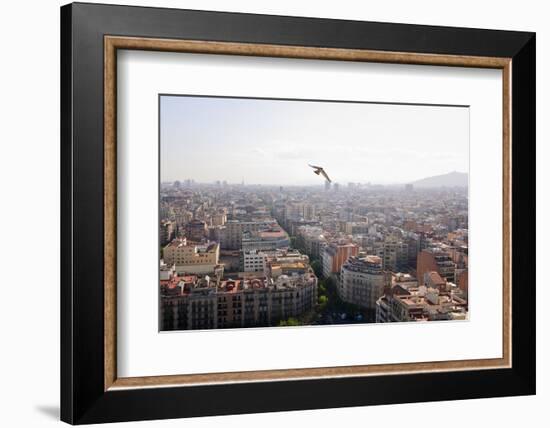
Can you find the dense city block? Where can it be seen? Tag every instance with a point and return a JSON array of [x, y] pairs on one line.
[[236, 255]]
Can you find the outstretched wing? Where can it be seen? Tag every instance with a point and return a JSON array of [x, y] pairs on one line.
[[314, 167], [325, 175]]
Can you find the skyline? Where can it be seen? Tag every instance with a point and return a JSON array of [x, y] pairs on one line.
[[320, 184], [271, 142]]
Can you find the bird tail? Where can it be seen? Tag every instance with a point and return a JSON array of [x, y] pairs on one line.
[[317, 172]]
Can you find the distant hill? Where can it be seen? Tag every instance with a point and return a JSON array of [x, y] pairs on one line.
[[451, 179]]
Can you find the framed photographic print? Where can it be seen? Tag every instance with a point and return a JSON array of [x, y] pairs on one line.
[[266, 213]]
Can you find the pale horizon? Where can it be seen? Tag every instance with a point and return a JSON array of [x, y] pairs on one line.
[[320, 184]]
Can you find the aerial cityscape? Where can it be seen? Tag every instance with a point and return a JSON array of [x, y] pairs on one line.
[[325, 244]]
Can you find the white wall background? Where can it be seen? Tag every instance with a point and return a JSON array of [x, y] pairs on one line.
[[29, 218]]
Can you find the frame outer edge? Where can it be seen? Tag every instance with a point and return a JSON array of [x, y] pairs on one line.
[[81, 395], [524, 217], [66, 226]]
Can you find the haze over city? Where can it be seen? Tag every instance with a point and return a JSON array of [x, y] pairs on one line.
[[270, 142]]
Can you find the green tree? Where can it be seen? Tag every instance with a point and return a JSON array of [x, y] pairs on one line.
[[290, 322], [321, 288], [323, 302]]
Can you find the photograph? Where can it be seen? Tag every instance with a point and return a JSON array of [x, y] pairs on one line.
[[298, 212]]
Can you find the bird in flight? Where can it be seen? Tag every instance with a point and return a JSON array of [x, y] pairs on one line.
[[319, 170]]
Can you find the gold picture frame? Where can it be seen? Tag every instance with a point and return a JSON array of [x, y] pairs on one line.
[[114, 43]]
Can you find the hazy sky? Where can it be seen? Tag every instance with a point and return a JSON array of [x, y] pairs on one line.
[[272, 141]]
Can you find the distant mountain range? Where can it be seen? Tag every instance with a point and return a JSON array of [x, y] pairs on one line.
[[451, 179]]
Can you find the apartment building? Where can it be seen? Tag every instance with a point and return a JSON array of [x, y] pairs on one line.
[[435, 260], [362, 281], [335, 255], [193, 258], [400, 304], [191, 303]]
